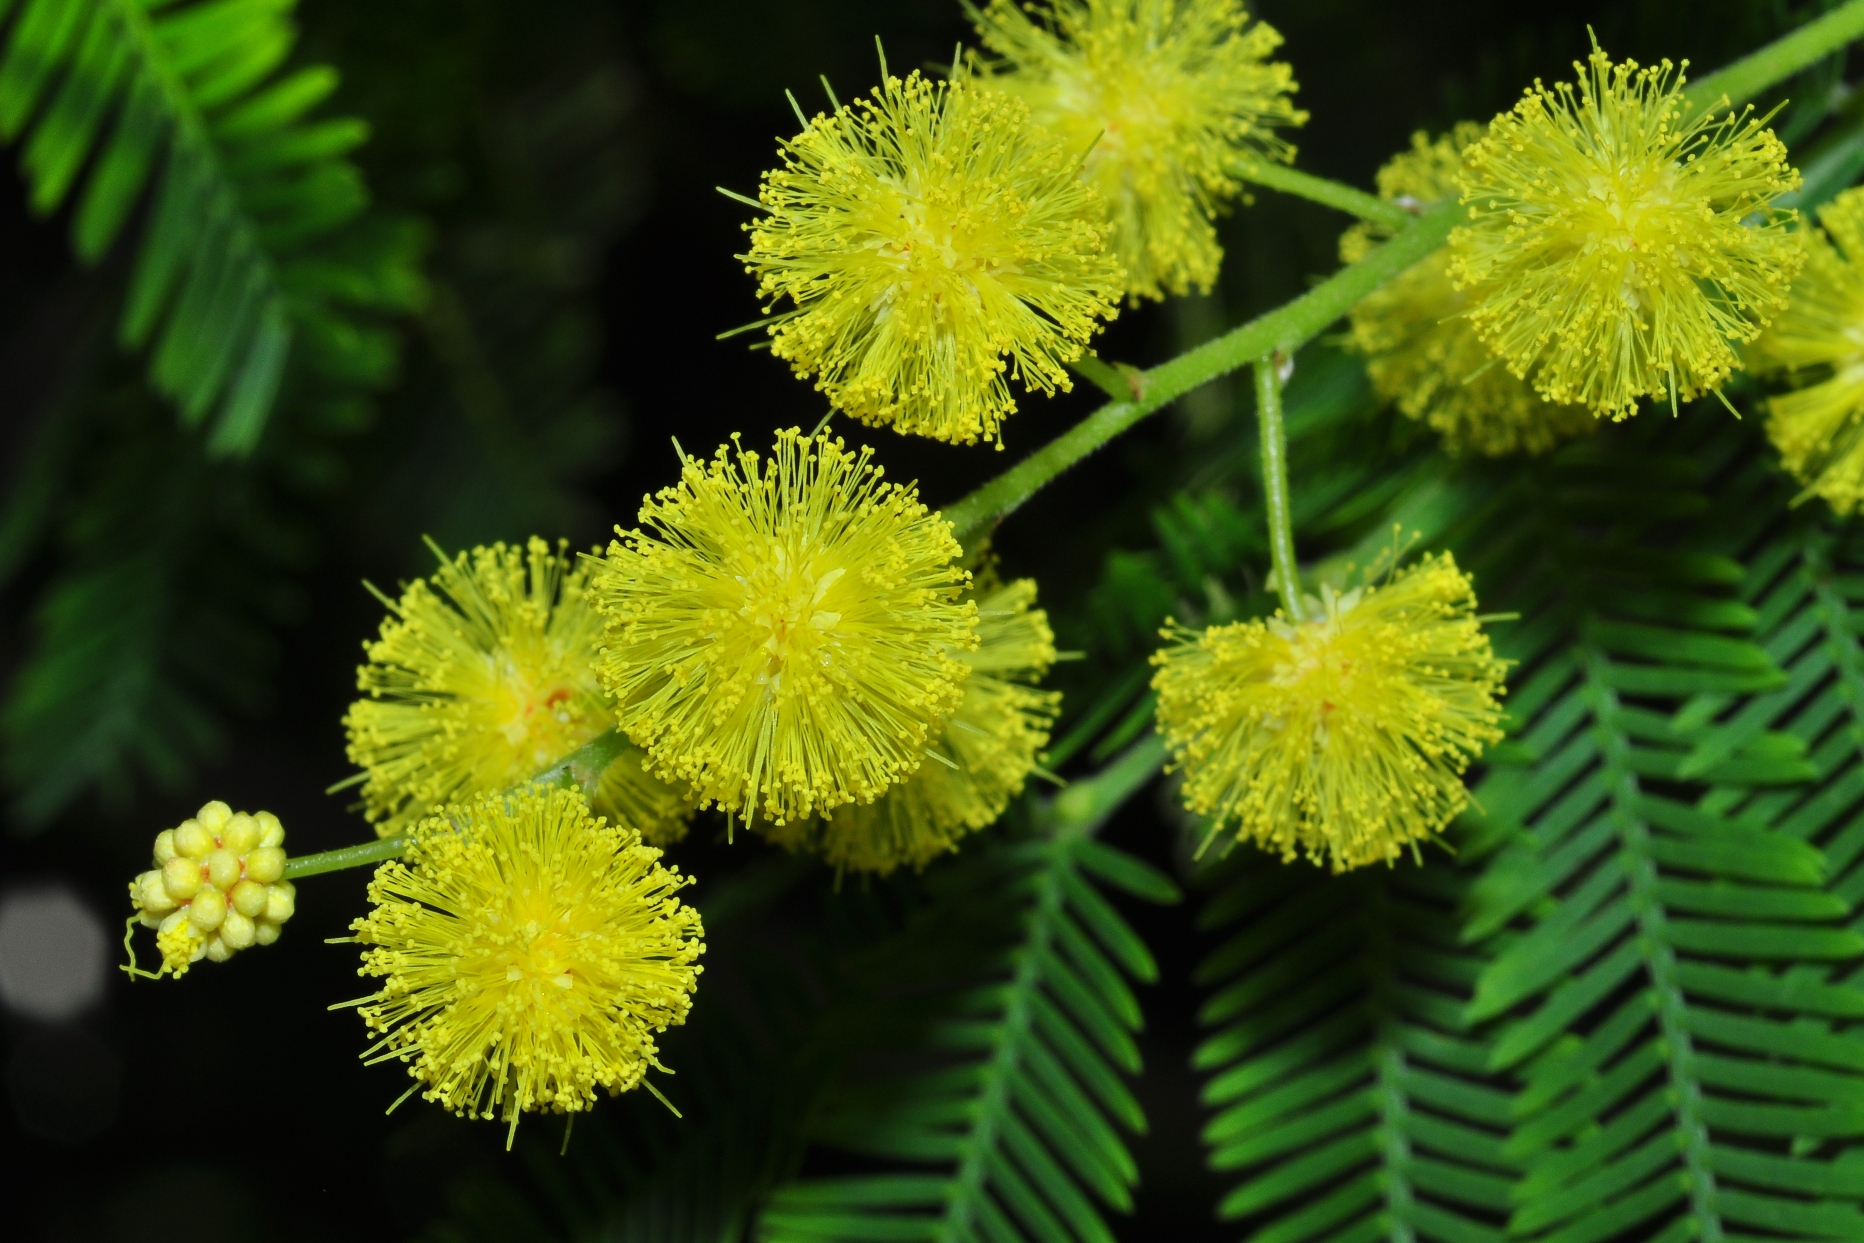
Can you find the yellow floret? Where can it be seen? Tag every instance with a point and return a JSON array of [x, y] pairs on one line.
[[1422, 350], [934, 244], [218, 886], [529, 953], [1819, 344], [1166, 98], [1620, 246], [989, 747], [788, 632], [482, 678], [1344, 737]]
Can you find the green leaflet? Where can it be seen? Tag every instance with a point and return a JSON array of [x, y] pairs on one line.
[[115, 101], [1008, 1127], [1350, 1094]]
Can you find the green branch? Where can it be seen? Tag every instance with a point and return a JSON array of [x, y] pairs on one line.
[[1780, 59], [1286, 329]]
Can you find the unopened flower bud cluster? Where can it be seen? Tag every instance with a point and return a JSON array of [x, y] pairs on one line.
[[218, 886]]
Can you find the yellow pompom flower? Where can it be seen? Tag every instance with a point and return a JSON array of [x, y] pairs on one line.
[[482, 678], [218, 886], [1620, 246], [1343, 737], [1166, 98], [1422, 351], [529, 952], [788, 632], [989, 748], [1819, 343], [934, 244]]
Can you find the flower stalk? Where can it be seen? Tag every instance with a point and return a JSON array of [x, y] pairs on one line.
[[1334, 194], [361, 855], [1275, 483]]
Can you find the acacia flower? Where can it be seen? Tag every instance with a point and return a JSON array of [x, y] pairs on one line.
[[218, 886], [1819, 343], [1167, 98], [1620, 246], [989, 747], [1344, 737], [483, 677], [934, 244], [1422, 351], [788, 632], [529, 953]]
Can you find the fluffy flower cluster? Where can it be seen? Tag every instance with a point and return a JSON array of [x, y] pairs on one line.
[[788, 633], [1619, 245], [1343, 737], [1422, 350], [529, 954], [1819, 345], [987, 751], [218, 886], [934, 244], [482, 678], [1165, 98]]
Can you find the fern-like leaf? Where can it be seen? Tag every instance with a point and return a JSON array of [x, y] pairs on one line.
[[1351, 1096], [1668, 1084], [109, 97], [1007, 1126], [1805, 583], [149, 630]]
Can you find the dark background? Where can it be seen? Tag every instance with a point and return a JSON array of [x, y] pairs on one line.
[[564, 155]]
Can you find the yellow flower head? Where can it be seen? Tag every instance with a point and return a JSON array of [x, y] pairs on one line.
[[1819, 342], [218, 886], [530, 952], [934, 243], [1422, 351], [1343, 737], [1618, 246], [989, 747], [1166, 98], [482, 678], [789, 632]]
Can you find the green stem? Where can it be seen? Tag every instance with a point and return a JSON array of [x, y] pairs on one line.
[[582, 767], [1275, 484], [1780, 59], [1286, 328], [1332, 194], [357, 856]]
